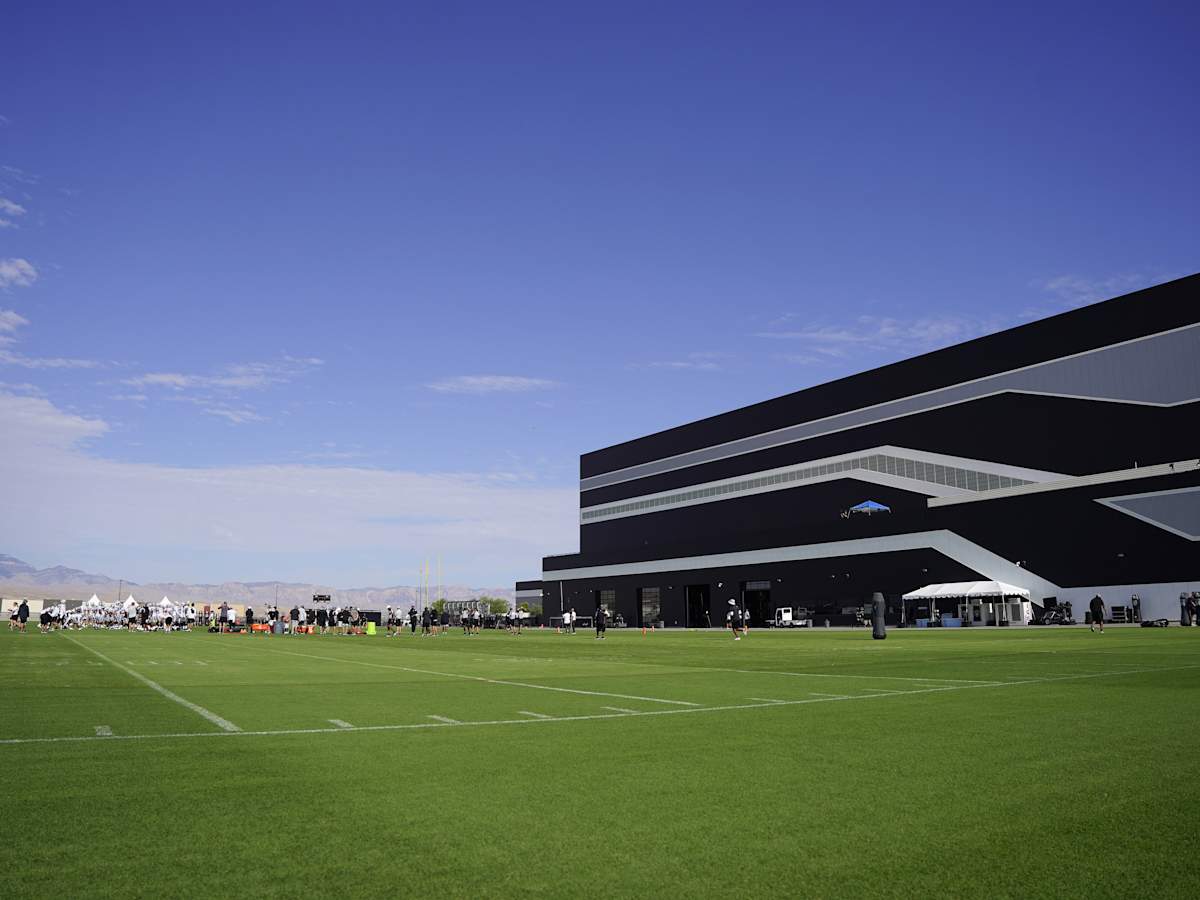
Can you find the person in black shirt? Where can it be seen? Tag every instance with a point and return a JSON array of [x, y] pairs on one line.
[[425, 622], [412, 620], [22, 615], [322, 619], [601, 622], [1097, 608]]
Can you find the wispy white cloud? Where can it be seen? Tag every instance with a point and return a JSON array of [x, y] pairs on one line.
[[10, 209], [332, 451], [348, 521], [699, 362], [232, 378], [490, 384], [10, 321], [823, 341], [10, 358], [1076, 290], [236, 416], [17, 272], [13, 175]]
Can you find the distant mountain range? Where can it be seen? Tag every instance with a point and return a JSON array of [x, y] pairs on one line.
[[18, 578]]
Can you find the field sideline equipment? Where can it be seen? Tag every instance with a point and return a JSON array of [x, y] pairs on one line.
[[879, 628]]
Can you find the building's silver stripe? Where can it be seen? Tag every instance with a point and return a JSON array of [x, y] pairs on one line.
[[935, 474], [1176, 511], [1066, 484], [956, 547], [1157, 370], [529, 595]]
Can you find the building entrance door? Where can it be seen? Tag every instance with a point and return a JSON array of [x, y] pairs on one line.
[[697, 608], [756, 601]]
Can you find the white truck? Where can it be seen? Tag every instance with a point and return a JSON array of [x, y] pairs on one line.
[[785, 617]]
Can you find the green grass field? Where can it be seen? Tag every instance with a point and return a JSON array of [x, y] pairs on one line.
[[1002, 763]]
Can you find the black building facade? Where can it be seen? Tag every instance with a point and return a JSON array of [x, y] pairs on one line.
[[1060, 457]]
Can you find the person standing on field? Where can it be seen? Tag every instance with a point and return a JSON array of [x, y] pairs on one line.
[[735, 620], [1097, 608], [601, 621]]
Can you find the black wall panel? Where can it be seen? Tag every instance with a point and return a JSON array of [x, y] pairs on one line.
[[1055, 434], [1123, 318]]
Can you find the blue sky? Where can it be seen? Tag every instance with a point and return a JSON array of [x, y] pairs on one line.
[[310, 291]]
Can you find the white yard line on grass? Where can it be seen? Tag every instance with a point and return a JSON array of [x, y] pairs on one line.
[[621, 709], [103, 731], [223, 724], [525, 712], [339, 723], [444, 722], [764, 700], [479, 678], [844, 675]]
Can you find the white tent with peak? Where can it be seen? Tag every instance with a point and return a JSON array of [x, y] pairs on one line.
[[165, 602], [981, 602], [95, 601], [129, 601], [967, 589]]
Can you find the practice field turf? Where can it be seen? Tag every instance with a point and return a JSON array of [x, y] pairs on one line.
[[976, 763]]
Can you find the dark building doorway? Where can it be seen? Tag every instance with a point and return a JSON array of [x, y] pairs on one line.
[[697, 607], [649, 607], [756, 601]]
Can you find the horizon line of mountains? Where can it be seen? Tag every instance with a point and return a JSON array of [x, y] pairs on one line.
[[75, 584]]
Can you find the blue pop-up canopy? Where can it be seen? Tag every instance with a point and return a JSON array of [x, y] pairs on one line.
[[870, 507]]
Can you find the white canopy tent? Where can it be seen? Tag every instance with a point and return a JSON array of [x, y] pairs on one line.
[[967, 589], [129, 601], [95, 601], [981, 602], [165, 602]]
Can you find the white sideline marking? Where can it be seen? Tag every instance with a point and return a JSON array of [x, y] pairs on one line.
[[479, 678], [223, 724], [339, 723], [103, 731], [818, 694], [843, 675], [764, 700], [448, 723], [621, 709], [525, 712]]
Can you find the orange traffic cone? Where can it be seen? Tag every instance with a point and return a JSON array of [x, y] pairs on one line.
[[643, 631]]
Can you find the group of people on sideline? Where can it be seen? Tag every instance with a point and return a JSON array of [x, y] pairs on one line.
[[434, 622], [114, 616]]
